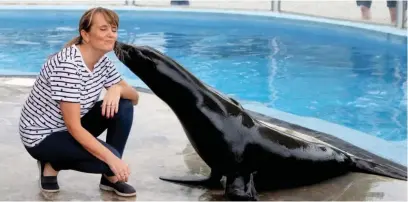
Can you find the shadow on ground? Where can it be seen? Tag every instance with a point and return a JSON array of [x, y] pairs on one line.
[[157, 146]]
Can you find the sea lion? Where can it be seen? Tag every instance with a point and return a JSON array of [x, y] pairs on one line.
[[248, 152]]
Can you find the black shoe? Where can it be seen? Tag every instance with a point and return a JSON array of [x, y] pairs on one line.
[[47, 183], [120, 188]]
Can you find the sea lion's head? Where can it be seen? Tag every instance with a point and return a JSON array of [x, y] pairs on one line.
[[132, 56], [160, 73], [148, 62]]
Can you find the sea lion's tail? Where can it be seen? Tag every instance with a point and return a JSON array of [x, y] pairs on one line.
[[366, 166]]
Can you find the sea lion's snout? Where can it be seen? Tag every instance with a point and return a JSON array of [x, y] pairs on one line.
[[122, 50], [132, 56]]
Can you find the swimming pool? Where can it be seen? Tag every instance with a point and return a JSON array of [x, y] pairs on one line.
[[346, 82]]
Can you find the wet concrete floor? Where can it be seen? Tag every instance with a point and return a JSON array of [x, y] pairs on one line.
[[157, 146]]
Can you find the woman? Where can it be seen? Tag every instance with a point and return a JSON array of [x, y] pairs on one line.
[[62, 116]]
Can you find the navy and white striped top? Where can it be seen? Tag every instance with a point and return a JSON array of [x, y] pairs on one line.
[[64, 77]]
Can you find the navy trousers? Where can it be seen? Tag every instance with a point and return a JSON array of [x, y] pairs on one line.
[[63, 152]]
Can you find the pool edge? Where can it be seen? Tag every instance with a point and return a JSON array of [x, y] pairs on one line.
[[382, 29]]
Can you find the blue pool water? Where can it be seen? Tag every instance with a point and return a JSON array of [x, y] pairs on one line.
[[334, 75]]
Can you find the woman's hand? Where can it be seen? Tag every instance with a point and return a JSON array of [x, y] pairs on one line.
[[119, 168], [110, 104]]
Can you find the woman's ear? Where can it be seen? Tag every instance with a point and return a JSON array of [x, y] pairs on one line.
[[85, 36]]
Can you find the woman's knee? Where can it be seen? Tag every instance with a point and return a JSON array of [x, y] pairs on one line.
[[125, 108]]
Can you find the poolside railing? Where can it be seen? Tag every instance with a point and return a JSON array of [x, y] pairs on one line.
[[346, 10]]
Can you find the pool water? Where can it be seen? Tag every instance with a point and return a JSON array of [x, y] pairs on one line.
[[342, 76]]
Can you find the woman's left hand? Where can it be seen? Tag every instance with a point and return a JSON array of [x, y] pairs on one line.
[[110, 104]]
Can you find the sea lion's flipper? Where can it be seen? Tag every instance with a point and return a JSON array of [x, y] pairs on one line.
[[212, 181], [241, 187], [368, 166]]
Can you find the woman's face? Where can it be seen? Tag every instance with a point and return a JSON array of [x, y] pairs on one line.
[[102, 35]]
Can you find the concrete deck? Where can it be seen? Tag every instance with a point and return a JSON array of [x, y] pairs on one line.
[[157, 146], [344, 9]]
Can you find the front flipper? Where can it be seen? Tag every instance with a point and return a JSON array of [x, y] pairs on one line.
[[213, 181], [241, 187]]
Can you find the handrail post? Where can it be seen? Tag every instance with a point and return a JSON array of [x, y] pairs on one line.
[[276, 5], [400, 14]]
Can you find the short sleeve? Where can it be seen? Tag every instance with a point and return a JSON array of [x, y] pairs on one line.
[[65, 82], [113, 76]]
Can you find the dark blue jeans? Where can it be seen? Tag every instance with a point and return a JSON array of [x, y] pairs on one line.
[[63, 152]]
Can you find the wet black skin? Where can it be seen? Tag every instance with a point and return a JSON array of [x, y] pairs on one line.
[[251, 155]]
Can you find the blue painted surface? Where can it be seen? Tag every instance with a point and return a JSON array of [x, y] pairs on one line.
[[335, 75]]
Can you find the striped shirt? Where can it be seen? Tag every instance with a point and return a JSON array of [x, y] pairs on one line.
[[64, 77]]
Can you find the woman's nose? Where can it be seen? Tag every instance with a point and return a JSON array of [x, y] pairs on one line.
[[111, 33]]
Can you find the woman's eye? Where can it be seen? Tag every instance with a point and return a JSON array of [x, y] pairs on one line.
[[106, 29]]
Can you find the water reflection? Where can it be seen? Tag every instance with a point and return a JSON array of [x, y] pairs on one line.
[[380, 92]]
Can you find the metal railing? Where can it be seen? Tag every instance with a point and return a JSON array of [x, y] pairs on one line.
[[339, 10], [381, 12]]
